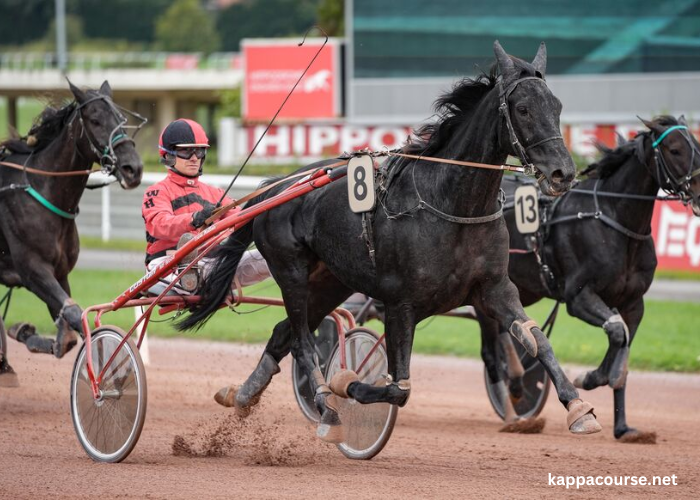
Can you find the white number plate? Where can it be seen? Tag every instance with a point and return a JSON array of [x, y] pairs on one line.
[[527, 213], [361, 184]]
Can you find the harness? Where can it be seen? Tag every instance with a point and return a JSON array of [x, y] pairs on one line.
[[676, 190], [389, 170], [106, 156]]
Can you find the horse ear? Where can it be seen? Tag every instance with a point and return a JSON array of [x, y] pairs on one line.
[[105, 89], [652, 125], [540, 60], [505, 63], [681, 120], [79, 95]]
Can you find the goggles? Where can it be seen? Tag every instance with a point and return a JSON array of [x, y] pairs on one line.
[[186, 153]]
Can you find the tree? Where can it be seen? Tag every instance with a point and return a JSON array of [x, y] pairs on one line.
[[265, 19], [331, 17], [186, 27]]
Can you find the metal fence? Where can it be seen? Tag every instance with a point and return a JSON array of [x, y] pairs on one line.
[[114, 213], [91, 61]]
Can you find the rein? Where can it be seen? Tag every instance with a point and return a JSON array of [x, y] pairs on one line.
[[17, 166]]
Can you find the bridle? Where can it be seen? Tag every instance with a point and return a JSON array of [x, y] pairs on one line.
[[504, 110], [671, 184], [106, 156]]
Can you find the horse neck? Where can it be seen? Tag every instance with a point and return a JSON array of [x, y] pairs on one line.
[[635, 178], [67, 152], [468, 191]]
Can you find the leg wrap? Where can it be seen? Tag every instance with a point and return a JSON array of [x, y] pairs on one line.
[[341, 381], [521, 332], [581, 419]]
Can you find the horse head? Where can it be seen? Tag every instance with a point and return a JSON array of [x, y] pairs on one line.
[[677, 156], [104, 127], [530, 112]]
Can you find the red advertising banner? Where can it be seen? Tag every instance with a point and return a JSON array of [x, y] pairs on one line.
[[676, 236], [272, 67]]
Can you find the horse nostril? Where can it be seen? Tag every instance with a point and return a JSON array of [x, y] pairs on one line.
[[558, 176], [127, 170]]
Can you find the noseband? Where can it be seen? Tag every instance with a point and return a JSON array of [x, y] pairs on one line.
[[106, 155], [678, 185], [504, 110]]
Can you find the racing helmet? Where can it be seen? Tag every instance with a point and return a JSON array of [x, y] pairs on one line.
[[181, 133]]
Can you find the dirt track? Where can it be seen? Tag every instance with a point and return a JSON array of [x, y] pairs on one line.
[[446, 442]]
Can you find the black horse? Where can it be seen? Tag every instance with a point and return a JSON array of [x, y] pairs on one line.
[[38, 236], [596, 254], [317, 255]]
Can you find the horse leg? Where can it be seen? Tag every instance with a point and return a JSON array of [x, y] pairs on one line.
[[8, 377], [589, 307], [39, 279], [633, 317], [501, 300], [490, 338], [400, 328]]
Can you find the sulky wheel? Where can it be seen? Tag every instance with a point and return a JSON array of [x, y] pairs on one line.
[[535, 385], [109, 427], [326, 337], [367, 428]]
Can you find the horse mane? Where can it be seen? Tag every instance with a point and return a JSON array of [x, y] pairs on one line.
[[452, 108], [47, 126], [614, 158]]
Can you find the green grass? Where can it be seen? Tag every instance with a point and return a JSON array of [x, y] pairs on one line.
[[96, 243], [665, 341]]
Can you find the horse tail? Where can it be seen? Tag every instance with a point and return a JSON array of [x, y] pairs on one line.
[[217, 284]]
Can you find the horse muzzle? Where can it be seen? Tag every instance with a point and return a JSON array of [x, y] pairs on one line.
[[129, 176]]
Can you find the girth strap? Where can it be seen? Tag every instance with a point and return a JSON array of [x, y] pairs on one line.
[[423, 205]]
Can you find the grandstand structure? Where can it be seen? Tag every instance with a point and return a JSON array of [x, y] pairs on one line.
[[607, 61]]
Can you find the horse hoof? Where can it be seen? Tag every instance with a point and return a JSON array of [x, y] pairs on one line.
[[9, 379], [65, 343], [341, 381], [633, 436], [331, 433], [578, 382], [226, 396], [581, 419], [525, 426]]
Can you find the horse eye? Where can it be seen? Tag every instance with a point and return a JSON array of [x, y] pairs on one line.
[[675, 152], [522, 110], [94, 122]]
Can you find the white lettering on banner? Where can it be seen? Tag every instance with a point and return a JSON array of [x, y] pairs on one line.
[[583, 140], [322, 139], [275, 142], [678, 235], [299, 140], [352, 138]]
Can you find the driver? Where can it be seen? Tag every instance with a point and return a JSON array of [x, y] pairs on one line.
[[176, 207]]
